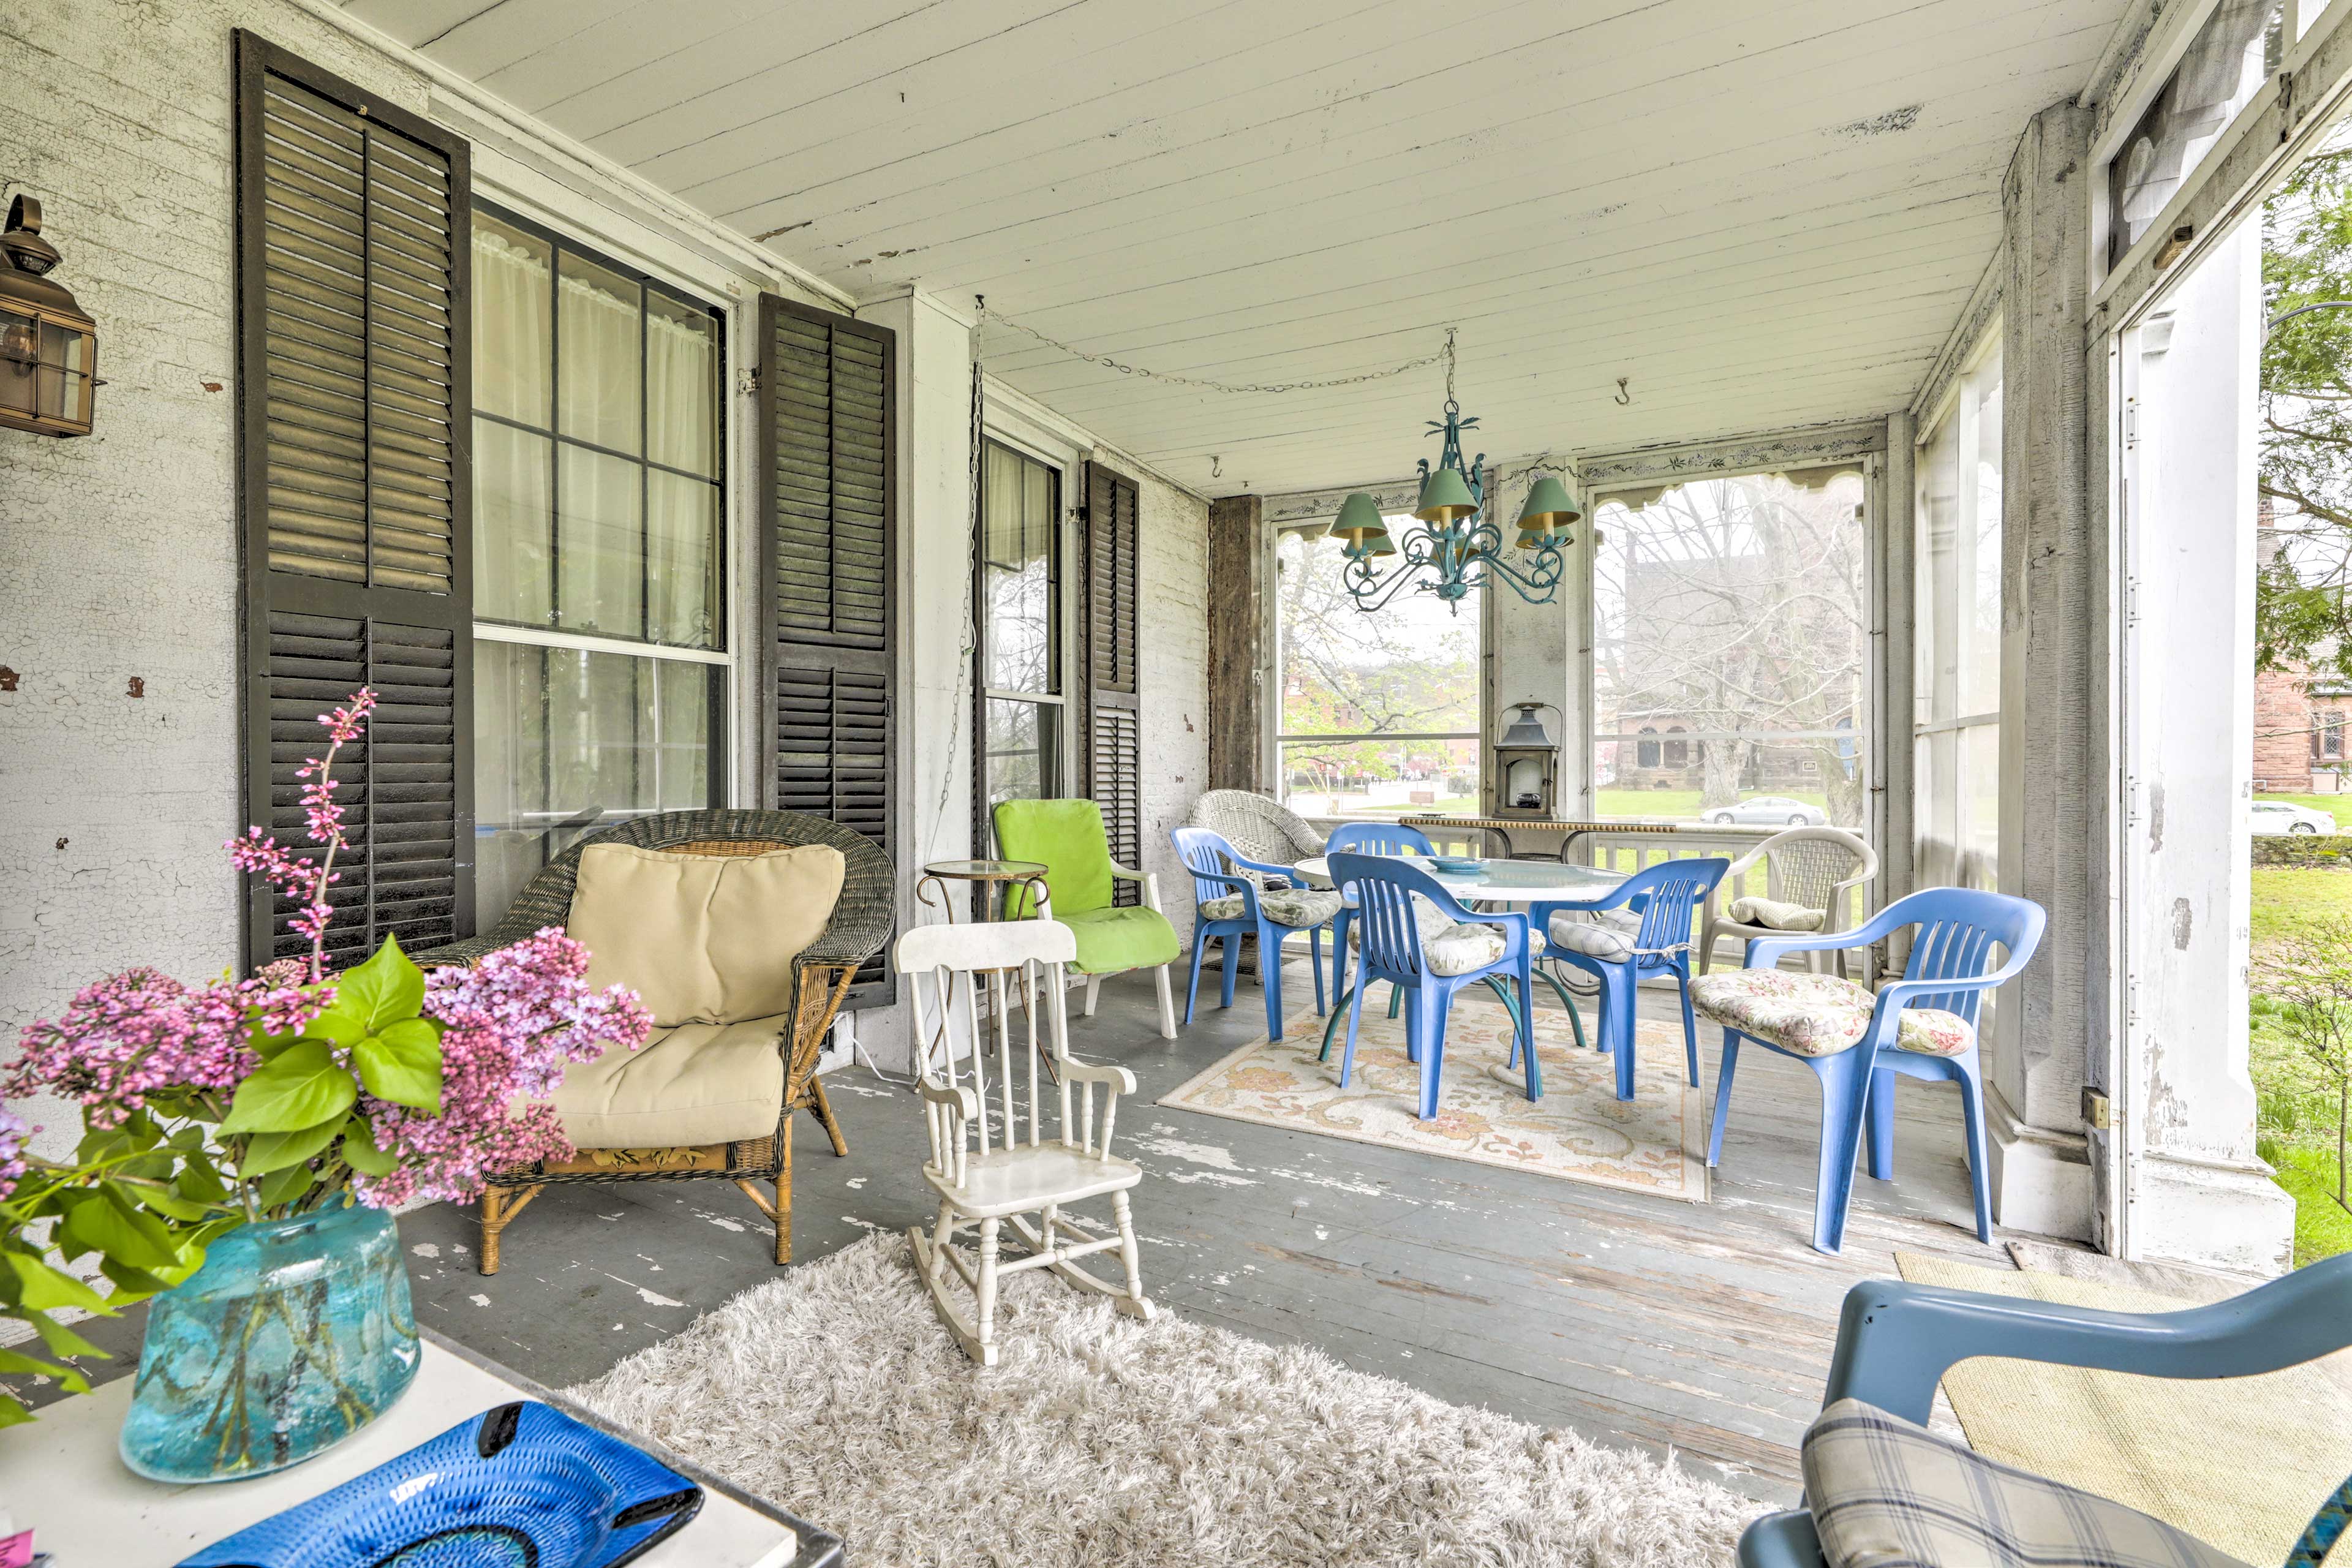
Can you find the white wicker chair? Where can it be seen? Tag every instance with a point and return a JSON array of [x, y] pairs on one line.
[[1811, 866], [1262, 829]]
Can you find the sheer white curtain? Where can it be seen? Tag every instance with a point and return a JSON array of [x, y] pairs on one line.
[[1957, 633], [681, 514]]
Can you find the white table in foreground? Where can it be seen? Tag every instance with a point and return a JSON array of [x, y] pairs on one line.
[[1502, 881], [61, 1478]]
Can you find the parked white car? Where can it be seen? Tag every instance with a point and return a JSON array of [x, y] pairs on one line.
[[2276, 816], [1771, 808]]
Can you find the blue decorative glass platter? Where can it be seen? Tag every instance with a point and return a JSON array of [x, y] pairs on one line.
[[521, 1485], [1455, 865]]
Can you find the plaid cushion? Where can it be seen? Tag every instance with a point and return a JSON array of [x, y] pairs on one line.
[[1886, 1494]]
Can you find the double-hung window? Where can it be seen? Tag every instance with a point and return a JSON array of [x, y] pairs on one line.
[[601, 663], [1018, 586], [1955, 690]]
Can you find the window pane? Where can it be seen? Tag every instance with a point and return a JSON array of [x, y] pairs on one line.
[[1956, 815], [568, 742], [599, 543], [598, 373], [2227, 62], [514, 349], [682, 385], [1410, 671], [682, 559], [1729, 621], [1024, 750], [514, 521], [1380, 778], [1019, 580]]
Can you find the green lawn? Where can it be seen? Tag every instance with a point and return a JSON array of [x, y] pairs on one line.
[[2297, 1121], [2336, 805]]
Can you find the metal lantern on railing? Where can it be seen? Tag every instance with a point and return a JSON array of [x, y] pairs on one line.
[[1526, 766], [48, 344]]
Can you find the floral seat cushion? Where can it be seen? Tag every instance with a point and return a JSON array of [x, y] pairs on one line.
[[1297, 908], [1818, 1014], [1774, 915], [1446, 946]]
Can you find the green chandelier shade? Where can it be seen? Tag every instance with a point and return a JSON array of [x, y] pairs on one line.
[[1444, 498], [1548, 509], [1359, 519]]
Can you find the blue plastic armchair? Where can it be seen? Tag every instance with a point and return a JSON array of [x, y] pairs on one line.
[[1896, 1342], [1667, 897], [1365, 839], [1431, 962], [1922, 1026], [1269, 914]]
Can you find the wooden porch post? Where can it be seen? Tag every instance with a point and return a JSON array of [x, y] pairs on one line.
[[1241, 643]]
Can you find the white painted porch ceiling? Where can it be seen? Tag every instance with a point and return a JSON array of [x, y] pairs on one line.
[[1762, 215]]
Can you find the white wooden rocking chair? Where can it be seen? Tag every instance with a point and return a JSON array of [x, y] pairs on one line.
[[984, 1172]]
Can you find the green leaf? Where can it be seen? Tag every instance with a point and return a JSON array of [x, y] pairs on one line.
[[342, 1025], [105, 1224], [403, 1064], [13, 1411], [171, 1206], [361, 1154], [384, 990], [301, 1087], [276, 1151], [61, 1340], [287, 1185], [132, 1284], [11, 1361], [48, 1288], [200, 1182]]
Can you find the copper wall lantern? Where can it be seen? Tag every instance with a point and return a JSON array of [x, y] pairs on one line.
[[48, 344]]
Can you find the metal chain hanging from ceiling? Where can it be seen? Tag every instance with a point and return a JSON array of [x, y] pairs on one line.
[[1204, 383]]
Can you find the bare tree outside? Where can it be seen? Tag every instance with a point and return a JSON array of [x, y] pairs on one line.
[[1731, 612]]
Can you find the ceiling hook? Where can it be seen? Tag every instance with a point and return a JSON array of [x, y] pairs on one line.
[[1623, 396], [1216, 466]]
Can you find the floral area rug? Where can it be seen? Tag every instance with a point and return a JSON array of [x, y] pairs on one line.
[[1579, 1131]]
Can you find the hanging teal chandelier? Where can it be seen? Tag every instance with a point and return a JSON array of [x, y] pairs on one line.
[[1456, 548]]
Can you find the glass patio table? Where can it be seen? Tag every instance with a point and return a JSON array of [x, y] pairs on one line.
[[1494, 882]]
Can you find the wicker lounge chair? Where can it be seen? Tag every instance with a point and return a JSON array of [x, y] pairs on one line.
[[860, 924]]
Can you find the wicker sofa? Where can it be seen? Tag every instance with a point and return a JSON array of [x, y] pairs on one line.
[[860, 923]]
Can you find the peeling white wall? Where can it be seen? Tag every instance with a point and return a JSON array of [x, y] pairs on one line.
[[119, 550], [1174, 634]]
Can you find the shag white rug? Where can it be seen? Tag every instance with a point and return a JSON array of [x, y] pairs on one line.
[[1101, 1442]]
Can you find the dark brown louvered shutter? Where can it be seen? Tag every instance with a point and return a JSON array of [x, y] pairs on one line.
[[1113, 721], [829, 485], [353, 267]]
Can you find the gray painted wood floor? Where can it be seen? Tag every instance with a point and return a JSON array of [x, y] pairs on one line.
[[1702, 1328]]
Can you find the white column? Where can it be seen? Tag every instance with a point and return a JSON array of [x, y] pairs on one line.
[[1531, 655], [2193, 1189], [2050, 773]]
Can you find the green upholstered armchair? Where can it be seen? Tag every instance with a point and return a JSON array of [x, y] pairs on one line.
[[1066, 837]]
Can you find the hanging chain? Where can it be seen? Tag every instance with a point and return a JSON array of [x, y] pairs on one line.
[[1206, 384]]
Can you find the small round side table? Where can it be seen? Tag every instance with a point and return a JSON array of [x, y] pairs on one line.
[[994, 882], [991, 880]]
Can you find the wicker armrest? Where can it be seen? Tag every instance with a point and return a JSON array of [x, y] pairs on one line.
[[458, 954]]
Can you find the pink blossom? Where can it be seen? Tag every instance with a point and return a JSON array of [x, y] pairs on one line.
[[13, 1133], [141, 1033], [510, 1026], [292, 874]]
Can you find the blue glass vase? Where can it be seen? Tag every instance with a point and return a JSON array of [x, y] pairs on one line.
[[293, 1335]]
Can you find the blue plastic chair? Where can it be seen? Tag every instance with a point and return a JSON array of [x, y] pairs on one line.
[[1667, 895], [1207, 855], [1365, 839], [1389, 937], [1896, 1342], [1959, 929]]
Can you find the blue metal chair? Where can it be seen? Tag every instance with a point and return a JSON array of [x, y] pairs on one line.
[[1948, 972], [1667, 895], [1388, 930], [1208, 857], [1896, 1342], [1365, 839]]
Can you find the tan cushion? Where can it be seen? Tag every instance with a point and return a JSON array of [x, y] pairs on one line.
[[1774, 915], [702, 939], [698, 1083]]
